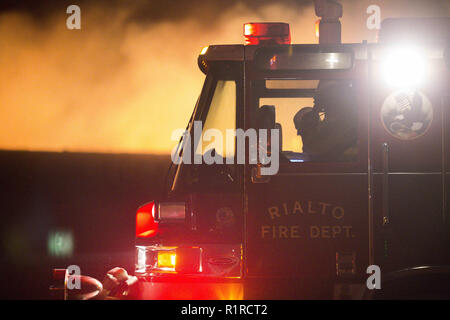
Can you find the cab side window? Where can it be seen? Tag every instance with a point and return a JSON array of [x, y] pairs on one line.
[[321, 127]]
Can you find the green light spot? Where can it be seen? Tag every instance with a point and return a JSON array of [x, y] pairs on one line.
[[60, 244]]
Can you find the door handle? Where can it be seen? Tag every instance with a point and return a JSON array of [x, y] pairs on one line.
[[385, 183]]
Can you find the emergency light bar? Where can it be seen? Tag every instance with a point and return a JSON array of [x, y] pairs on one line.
[[271, 33]]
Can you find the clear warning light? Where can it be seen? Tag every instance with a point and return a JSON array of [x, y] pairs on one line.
[[404, 67], [204, 50]]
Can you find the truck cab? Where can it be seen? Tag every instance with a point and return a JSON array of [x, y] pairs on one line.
[[301, 166]]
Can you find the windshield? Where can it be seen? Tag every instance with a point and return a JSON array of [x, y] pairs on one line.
[[215, 114], [220, 118]]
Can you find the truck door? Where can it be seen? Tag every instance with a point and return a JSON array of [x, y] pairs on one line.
[[409, 118], [307, 225], [209, 179]]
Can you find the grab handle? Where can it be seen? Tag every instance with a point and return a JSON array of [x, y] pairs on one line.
[[385, 183]]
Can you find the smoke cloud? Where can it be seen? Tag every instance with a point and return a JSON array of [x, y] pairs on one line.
[[126, 80]]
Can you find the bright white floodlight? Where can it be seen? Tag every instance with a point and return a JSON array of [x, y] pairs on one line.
[[404, 67]]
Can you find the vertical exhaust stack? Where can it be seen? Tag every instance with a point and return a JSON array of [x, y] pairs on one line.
[[329, 12]]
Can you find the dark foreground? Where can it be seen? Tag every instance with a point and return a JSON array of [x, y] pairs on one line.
[[52, 200]]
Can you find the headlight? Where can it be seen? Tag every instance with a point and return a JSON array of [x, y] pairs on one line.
[[404, 67]]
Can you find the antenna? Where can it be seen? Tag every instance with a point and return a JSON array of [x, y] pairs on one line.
[[329, 12]]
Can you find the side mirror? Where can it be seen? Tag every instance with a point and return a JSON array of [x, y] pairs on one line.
[[171, 212]]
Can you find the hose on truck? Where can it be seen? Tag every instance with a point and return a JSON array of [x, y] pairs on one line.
[[116, 285]]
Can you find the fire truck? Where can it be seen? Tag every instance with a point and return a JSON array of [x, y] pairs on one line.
[[363, 144], [370, 190]]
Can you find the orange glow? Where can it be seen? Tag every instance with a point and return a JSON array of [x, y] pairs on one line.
[[317, 28], [98, 90], [167, 259], [198, 290], [101, 89], [232, 291]]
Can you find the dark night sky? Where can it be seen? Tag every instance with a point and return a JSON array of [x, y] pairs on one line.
[[145, 11]]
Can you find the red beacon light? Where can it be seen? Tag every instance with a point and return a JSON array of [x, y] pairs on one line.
[[270, 33], [146, 226]]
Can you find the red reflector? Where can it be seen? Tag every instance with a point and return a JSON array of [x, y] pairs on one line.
[[145, 221], [267, 33]]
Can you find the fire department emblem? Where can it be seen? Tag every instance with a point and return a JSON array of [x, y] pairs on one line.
[[224, 217], [407, 114]]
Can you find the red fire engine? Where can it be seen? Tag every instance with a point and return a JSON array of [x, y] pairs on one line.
[[363, 176], [371, 188]]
